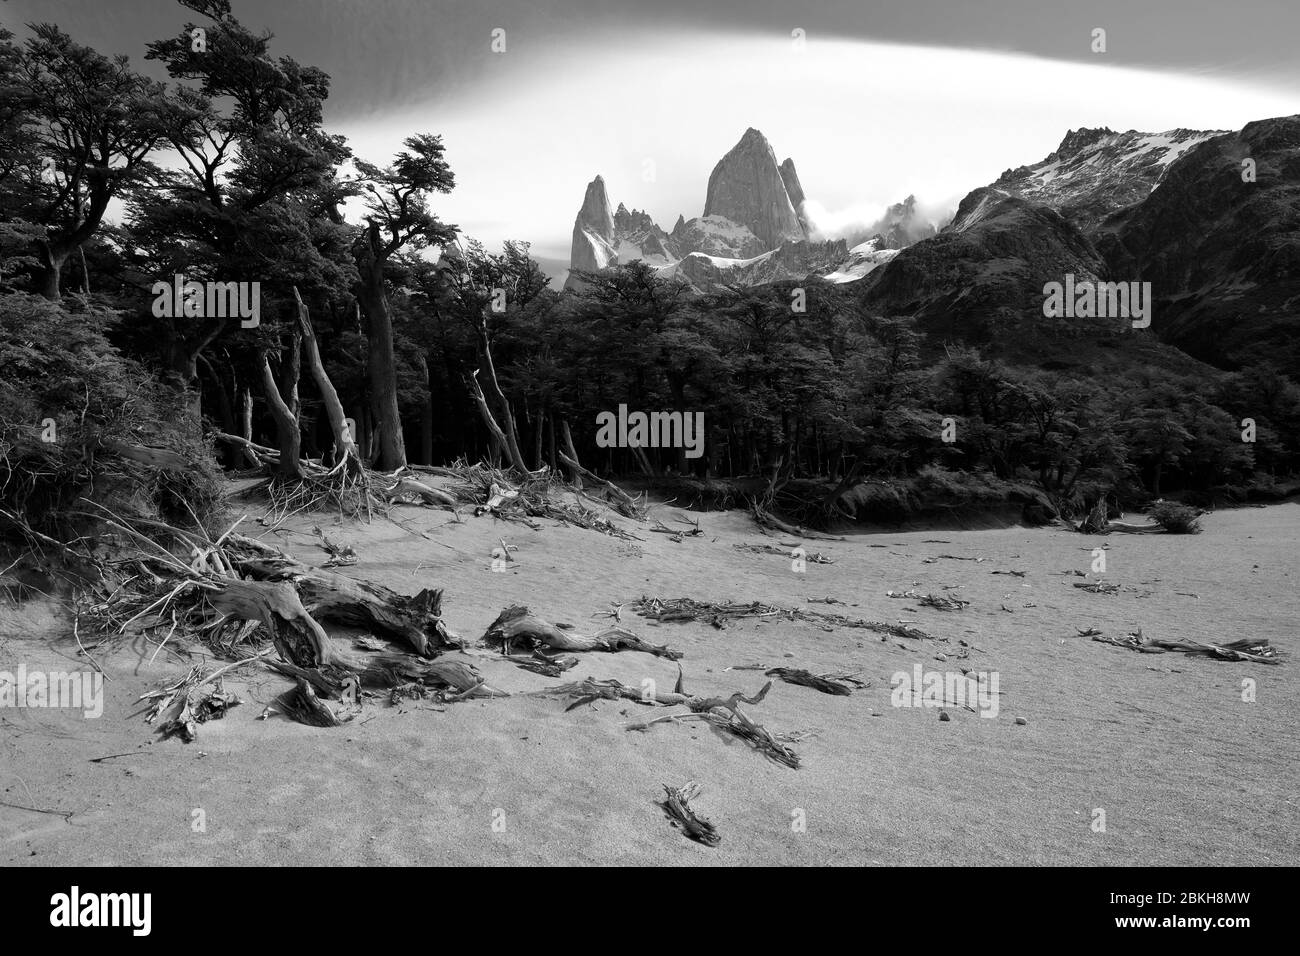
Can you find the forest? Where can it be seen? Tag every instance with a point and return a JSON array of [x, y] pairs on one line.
[[385, 339]]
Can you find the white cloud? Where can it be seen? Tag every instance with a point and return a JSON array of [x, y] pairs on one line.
[[866, 123]]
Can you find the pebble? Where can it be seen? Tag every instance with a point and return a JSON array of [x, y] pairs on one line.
[[943, 715], [1021, 721]]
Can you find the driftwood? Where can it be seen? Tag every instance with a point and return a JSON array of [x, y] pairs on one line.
[[1257, 651], [240, 585], [814, 558], [337, 668], [304, 706], [541, 495], [677, 806], [340, 555], [327, 595], [839, 684], [942, 603], [677, 534], [682, 610], [357, 668], [722, 712], [408, 489], [1097, 587], [767, 520], [539, 663], [517, 624], [1128, 528], [939, 603], [296, 634], [195, 699]]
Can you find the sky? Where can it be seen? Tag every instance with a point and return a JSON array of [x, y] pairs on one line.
[[873, 101]]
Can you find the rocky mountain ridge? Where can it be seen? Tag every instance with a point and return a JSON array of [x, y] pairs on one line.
[[753, 229]]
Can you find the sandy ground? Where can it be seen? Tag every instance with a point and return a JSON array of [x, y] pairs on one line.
[[1185, 770]]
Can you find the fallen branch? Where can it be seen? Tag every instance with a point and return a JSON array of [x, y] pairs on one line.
[[839, 684], [1097, 587], [1257, 651], [677, 807], [814, 558], [722, 712], [682, 610], [766, 519], [516, 623]]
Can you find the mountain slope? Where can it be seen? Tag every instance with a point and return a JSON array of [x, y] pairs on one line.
[[1222, 254], [1095, 172], [983, 275]]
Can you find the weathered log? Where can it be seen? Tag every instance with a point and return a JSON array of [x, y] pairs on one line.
[[304, 706], [405, 487], [677, 807], [837, 684], [722, 712], [415, 620], [296, 635], [766, 519], [516, 623], [355, 667]]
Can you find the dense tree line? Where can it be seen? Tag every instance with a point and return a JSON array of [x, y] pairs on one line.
[[438, 348]]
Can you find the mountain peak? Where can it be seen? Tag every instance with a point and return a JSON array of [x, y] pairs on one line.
[[595, 214], [1082, 138], [748, 188]]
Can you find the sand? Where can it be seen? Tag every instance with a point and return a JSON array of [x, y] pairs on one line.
[[1185, 770]]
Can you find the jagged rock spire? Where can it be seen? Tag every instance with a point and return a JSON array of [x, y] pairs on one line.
[[748, 188]]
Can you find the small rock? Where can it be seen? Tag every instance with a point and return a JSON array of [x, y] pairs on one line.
[[1021, 721], [943, 715]]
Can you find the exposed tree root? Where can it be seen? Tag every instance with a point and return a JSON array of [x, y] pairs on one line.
[[235, 588]]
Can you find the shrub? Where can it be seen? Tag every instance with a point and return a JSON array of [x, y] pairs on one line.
[[66, 393], [1175, 518]]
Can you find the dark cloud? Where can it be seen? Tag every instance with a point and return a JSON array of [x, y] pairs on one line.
[[384, 53]]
